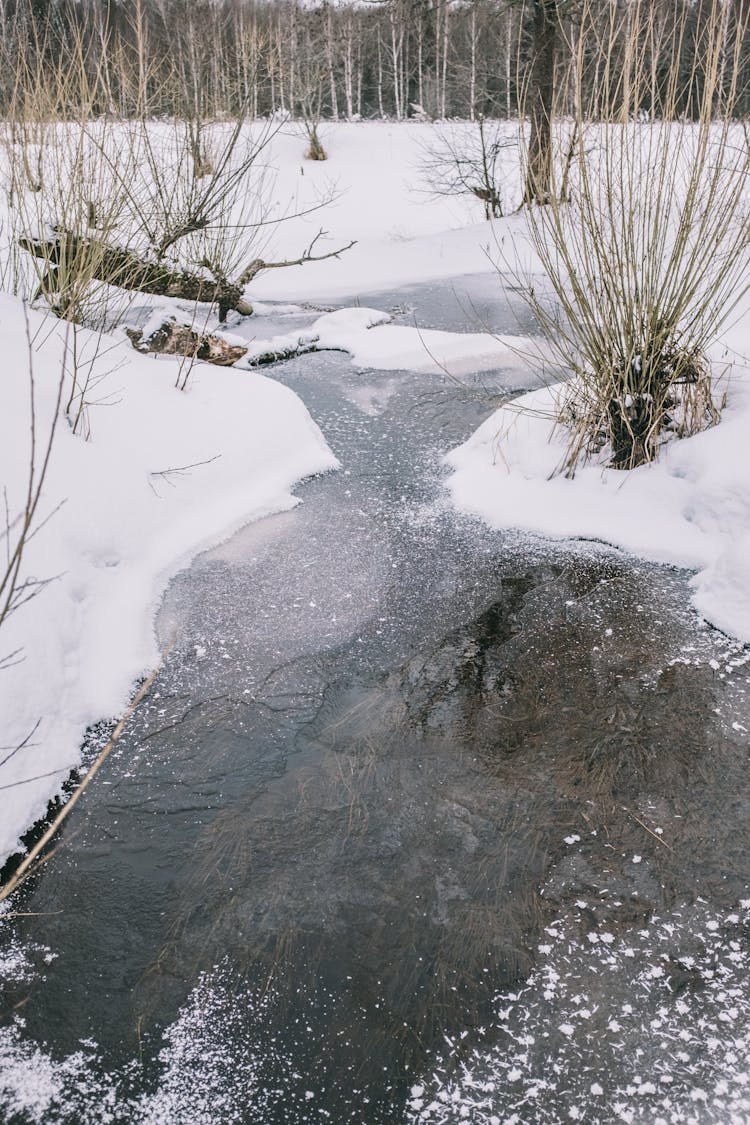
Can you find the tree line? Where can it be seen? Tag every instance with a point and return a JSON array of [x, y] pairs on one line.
[[394, 59]]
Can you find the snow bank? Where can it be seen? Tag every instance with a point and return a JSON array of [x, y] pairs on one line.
[[691, 508], [377, 265], [165, 474], [398, 347], [404, 234]]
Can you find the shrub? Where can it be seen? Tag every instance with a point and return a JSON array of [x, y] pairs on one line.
[[647, 260]]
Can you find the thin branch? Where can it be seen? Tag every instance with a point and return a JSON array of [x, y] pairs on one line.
[[32, 860], [258, 264], [182, 469], [21, 745]]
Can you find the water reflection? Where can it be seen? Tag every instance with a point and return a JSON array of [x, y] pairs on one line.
[[386, 885]]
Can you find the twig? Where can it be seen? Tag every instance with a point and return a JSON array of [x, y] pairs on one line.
[[259, 265], [29, 914], [178, 470], [29, 865], [21, 745], [650, 832], [37, 777]]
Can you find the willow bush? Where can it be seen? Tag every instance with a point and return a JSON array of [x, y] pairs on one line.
[[646, 252]]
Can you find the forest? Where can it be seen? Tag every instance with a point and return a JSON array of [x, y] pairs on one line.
[[397, 59]]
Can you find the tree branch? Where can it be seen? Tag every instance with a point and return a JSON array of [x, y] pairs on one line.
[[258, 264]]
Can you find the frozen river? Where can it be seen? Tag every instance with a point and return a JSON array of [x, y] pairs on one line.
[[408, 798]]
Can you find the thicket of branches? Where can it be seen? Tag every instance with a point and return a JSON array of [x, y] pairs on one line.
[[395, 58], [646, 250]]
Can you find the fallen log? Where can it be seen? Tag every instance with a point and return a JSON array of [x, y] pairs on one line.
[[172, 338], [67, 254]]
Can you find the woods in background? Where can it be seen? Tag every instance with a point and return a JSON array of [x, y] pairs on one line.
[[391, 58]]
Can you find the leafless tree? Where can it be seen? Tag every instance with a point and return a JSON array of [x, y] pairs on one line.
[[469, 161]]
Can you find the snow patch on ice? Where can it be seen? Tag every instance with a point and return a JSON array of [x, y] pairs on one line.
[[207, 1074], [678, 1054], [374, 343]]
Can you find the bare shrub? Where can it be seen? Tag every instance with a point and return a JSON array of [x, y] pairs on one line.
[[647, 261], [70, 196], [56, 182], [471, 161], [315, 149], [21, 521], [105, 205]]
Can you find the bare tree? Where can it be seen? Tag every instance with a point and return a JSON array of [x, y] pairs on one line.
[[540, 101], [469, 161], [452, 58]]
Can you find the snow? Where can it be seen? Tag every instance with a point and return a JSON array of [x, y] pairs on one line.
[[376, 265], [399, 347], [209, 1064], [165, 474], [691, 508], [570, 1039], [382, 200]]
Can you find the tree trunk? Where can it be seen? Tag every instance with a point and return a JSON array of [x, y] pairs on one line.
[[381, 108], [349, 65], [70, 256], [331, 65], [446, 43], [71, 260], [436, 110], [473, 65], [420, 59], [541, 97], [280, 35], [293, 57], [508, 33], [396, 44]]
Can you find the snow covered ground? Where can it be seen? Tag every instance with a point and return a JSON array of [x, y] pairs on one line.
[[382, 199], [691, 508]]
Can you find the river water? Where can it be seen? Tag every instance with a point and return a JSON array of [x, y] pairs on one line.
[[395, 764]]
